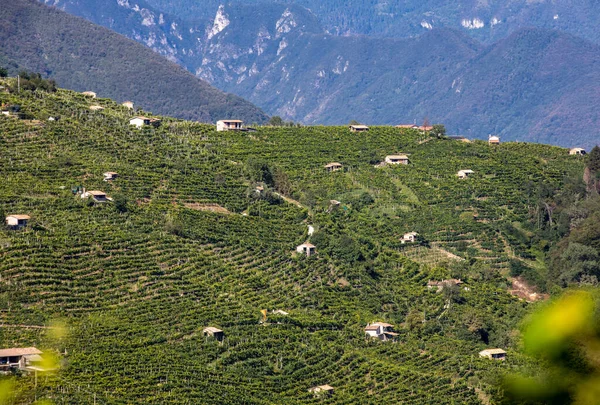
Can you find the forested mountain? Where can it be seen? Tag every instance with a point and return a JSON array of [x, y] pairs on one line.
[[535, 85], [202, 232], [83, 56], [487, 21]]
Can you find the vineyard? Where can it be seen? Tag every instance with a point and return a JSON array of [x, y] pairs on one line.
[[137, 280]]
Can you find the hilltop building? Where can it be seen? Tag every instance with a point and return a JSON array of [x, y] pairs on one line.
[[493, 354], [216, 333], [493, 140], [141, 121], [381, 330], [96, 195], [463, 174], [108, 176], [396, 159], [229, 125], [307, 248], [577, 151], [333, 166], [128, 104], [409, 237], [89, 94], [18, 358], [17, 221], [321, 390], [358, 128]]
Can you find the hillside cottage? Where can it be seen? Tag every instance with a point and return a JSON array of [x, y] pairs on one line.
[[89, 94], [410, 237], [108, 176], [216, 333], [463, 174], [577, 151], [321, 390], [17, 221], [229, 125], [96, 108], [97, 196], [493, 140], [128, 104], [381, 330], [18, 358], [396, 159], [141, 121], [493, 354], [358, 128], [307, 248], [333, 166], [4, 112]]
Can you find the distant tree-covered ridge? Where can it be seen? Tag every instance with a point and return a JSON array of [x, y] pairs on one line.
[[82, 56]]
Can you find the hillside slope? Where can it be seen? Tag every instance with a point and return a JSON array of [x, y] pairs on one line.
[[189, 242], [280, 58], [82, 56]]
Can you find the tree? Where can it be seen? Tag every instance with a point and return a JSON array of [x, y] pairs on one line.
[[3, 72], [593, 160], [439, 130], [276, 121], [120, 202]]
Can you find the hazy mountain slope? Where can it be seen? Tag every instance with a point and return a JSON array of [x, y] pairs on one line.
[[281, 59], [82, 56], [537, 85], [487, 20]]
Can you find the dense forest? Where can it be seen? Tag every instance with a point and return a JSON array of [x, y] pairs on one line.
[[202, 232]]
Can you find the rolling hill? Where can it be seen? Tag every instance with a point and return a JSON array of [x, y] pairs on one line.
[[83, 56], [190, 242], [534, 85]]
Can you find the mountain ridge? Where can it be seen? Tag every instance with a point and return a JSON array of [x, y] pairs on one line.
[[84, 56], [289, 65]]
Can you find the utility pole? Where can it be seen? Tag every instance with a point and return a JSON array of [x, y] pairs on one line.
[[18, 83]]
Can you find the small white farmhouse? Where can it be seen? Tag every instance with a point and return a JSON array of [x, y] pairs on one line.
[[577, 151], [463, 174], [409, 237], [493, 354], [307, 248], [396, 159], [141, 121], [229, 125], [17, 221]]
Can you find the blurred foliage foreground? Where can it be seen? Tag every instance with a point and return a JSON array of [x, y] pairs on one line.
[[564, 336]]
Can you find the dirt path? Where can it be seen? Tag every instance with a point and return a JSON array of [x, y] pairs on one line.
[[524, 291]]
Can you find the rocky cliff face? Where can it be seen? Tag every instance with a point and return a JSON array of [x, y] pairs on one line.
[[536, 85]]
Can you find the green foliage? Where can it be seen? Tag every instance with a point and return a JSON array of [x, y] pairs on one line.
[[276, 121], [3, 72], [197, 247]]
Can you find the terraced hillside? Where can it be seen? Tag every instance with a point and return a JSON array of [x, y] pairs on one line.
[[188, 242]]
